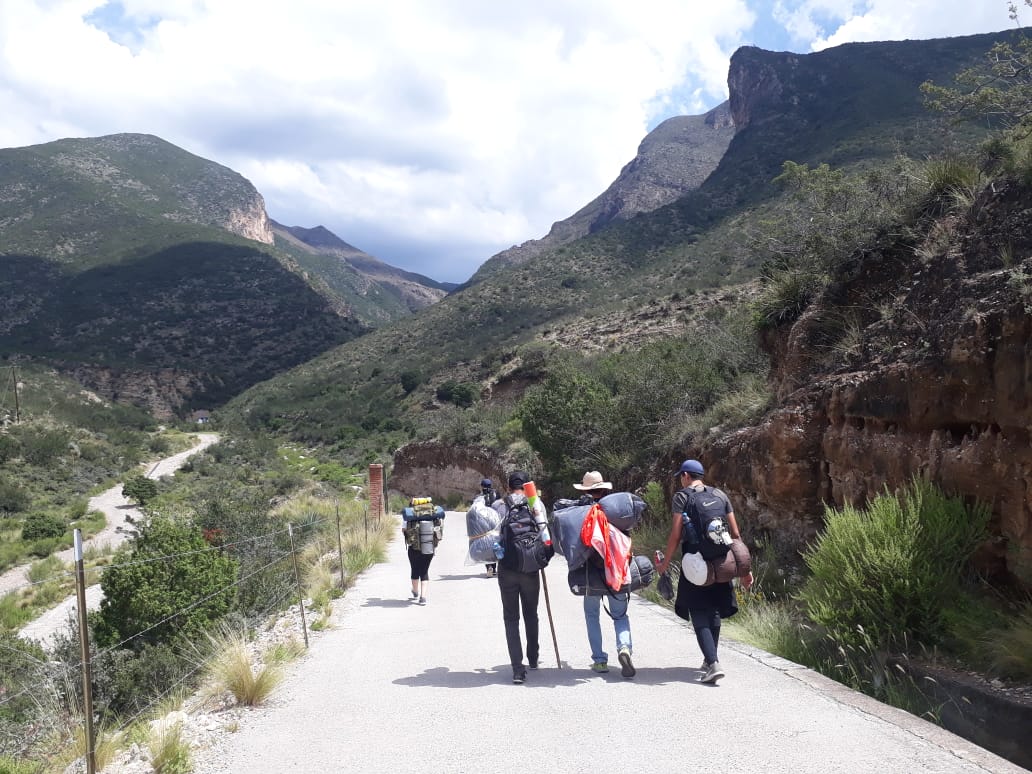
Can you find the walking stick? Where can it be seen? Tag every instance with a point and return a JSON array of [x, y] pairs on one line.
[[551, 624]]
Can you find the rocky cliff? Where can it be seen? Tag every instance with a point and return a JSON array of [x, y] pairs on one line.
[[933, 378], [442, 472], [673, 159]]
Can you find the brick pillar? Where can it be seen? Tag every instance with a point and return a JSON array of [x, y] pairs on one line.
[[377, 498]]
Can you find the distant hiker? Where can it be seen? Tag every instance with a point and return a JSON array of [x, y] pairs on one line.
[[489, 495], [423, 529], [704, 606], [595, 488], [518, 575]]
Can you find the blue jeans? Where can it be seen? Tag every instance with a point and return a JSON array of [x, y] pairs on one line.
[[621, 624]]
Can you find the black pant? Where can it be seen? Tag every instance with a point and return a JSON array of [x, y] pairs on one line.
[[420, 564], [706, 622], [520, 589]]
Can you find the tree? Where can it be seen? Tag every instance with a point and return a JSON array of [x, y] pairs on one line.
[[565, 420], [152, 601], [139, 489], [999, 89], [410, 379]]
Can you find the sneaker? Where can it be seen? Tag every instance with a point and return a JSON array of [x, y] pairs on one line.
[[600, 666], [415, 595], [705, 665], [626, 666], [519, 676], [422, 600], [713, 673]]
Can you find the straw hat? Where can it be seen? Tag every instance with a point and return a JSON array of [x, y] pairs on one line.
[[592, 480]]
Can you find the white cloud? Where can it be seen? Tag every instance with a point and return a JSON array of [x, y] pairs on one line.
[[416, 129], [821, 24], [452, 121]]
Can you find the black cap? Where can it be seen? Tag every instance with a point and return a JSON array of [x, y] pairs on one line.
[[517, 479], [486, 483]]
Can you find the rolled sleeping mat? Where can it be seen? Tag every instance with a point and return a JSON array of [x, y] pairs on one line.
[[736, 563], [623, 509], [426, 537]]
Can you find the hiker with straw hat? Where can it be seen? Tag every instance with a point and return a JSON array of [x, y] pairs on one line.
[[595, 487]]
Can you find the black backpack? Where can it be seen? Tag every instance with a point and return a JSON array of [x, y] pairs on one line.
[[525, 551], [704, 527]]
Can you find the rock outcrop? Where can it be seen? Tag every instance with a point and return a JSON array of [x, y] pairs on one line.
[[938, 384], [443, 472]]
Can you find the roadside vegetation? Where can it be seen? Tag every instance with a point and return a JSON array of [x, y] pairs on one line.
[[211, 555]]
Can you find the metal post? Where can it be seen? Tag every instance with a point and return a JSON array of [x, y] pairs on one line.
[[297, 577], [340, 548], [84, 642]]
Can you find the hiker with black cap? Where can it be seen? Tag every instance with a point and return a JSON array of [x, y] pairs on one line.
[[704, 606], [595, 487], [519, 590], [489, 495]]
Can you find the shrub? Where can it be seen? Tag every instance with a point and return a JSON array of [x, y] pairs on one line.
[[39, 526], [42, 447], [13, 497], [893, 567], [170, 752], [8, 448], [167, 581], [140, 489]]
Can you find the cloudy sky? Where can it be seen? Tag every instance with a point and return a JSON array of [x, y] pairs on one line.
[[430, 133]]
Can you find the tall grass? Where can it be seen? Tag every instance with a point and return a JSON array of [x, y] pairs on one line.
[[232, 668], [170, 752], [1010, 648]]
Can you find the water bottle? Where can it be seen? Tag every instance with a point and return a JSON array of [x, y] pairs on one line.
[[498, 548]]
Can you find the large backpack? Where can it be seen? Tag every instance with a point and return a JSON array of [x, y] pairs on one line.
[[704, 527], [525, 551]]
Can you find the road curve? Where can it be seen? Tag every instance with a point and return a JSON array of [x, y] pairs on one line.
[[400, 687], [116, 509]]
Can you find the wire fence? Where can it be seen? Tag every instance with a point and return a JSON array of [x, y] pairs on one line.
[[262, 559]]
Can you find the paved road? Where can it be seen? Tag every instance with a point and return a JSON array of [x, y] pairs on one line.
[[116, 509], [397, 687]]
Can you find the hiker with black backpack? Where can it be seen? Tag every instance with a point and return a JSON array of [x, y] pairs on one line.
[[522, 554], [703, 522], [594, 488]]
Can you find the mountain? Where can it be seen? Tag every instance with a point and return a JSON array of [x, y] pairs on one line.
[[674, 158], [653, 275], [386, 291], [151, 274]]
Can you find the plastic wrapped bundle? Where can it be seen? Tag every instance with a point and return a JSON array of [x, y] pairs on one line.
[[482, 530], [566, 532]]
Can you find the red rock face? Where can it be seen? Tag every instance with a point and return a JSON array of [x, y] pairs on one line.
[[440, 471], [942, 389]]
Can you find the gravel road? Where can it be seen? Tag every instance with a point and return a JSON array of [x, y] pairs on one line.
[[399, 687], [116, 509]]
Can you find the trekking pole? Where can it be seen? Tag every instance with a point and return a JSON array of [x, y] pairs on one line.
[[551, 624]]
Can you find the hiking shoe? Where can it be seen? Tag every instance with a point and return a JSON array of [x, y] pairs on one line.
[[600, 666], [519, 676], [626, 666], [713, 673], [422, 600]]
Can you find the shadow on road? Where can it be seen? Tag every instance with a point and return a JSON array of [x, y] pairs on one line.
[[547, 677], [381, 602]]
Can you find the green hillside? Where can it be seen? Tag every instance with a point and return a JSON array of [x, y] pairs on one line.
[[672, 273]]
